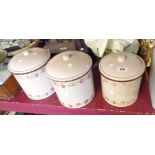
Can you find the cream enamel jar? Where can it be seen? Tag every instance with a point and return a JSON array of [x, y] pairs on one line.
[[72, 79], [121, 75], [28, 67]]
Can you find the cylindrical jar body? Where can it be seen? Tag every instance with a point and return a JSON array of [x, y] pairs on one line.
[[72, 78], [76, 93], [28, 67], [120, 94], [35, 84], [121, 75]]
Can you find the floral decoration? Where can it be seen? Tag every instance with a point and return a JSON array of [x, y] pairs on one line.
[[128, 83], [52, 88], [77, 105], [72, 83], [119, 103], [46, 93]]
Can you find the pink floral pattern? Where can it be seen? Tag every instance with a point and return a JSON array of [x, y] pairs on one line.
[[114, 102], [86, 101], [63, 86], [72, 83], [38, 96], [120, 103], [115, 83], [78, 105], [46, 93], [82, 80], [70, 106], [52, 88]]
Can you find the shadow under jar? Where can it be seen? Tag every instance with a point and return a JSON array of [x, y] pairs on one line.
[[72, 79], [28, 67], [121, 75]]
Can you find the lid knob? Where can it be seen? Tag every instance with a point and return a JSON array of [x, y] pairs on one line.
[[121, 58], [26, 53], [66, 57], [29, 51]]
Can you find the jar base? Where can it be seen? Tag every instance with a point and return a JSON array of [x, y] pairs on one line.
[[78, 106], [41, 98], [120, 104]]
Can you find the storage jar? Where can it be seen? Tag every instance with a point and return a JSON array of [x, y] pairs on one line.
[[72, 79], [121, 75], [28, 67]]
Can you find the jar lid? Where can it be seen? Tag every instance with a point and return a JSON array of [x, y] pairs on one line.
[[122, 66], [68, 65], [28, 60]]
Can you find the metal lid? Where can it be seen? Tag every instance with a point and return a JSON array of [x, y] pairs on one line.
[[28, 60], [68, 65], [122, 66]]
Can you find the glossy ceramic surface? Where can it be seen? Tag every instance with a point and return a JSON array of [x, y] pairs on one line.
[[36, 84], [72, 78], [76, 93], [121, 75], [120, 94], [123, 66], [28, 68], [28, 60], [68, 65]]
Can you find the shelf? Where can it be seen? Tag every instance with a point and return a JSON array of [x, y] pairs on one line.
[[51, 105]]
